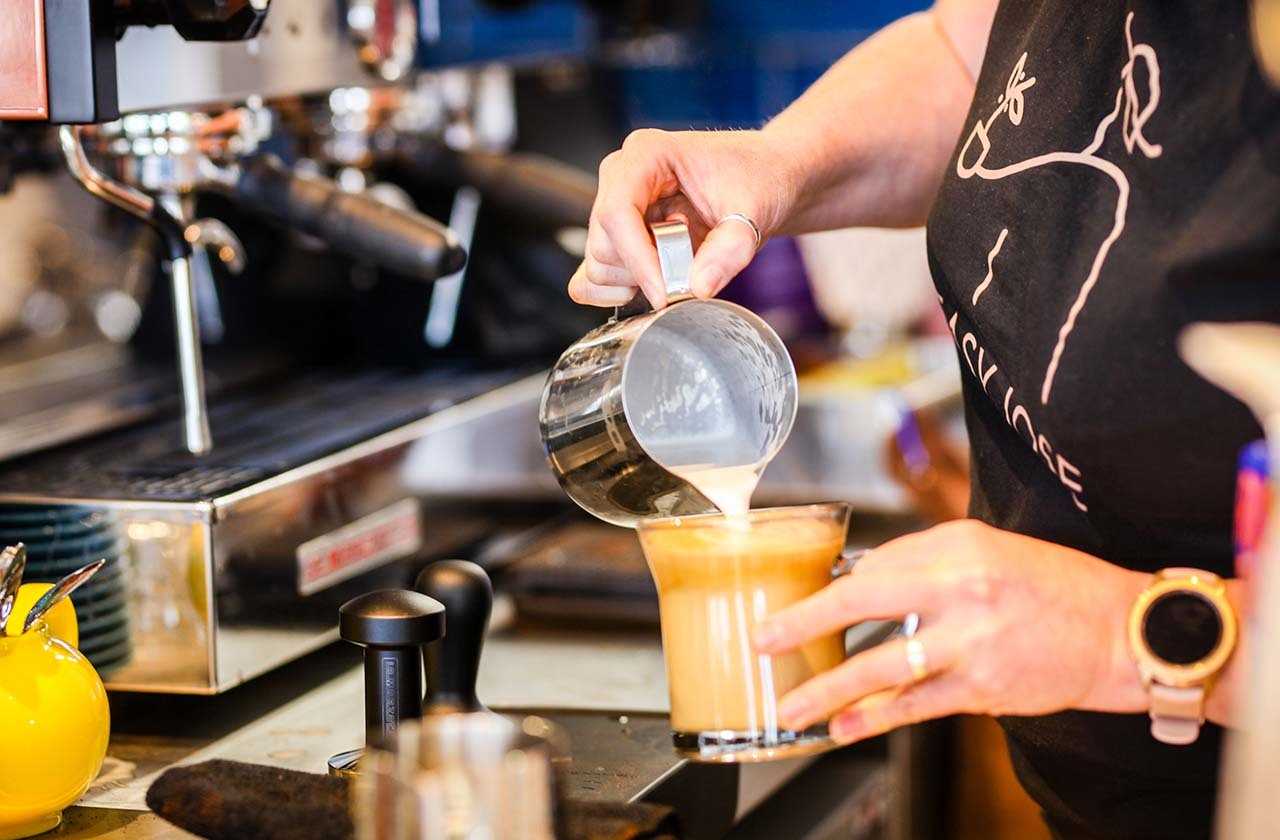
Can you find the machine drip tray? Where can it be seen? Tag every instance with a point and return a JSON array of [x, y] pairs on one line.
[[257, 434]]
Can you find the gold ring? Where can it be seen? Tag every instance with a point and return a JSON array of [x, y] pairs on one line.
[[746, 220], [917, 660]]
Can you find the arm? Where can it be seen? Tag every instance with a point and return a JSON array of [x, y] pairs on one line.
[[866, 145], [1010, 626], [899, 102]]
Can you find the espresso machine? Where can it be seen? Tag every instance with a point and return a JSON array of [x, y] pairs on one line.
[[284, 339]]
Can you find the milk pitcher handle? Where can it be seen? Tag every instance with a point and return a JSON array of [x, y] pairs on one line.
[[675, 258], [845, 564]]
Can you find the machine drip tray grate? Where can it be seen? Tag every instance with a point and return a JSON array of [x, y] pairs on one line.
[[257, 434]]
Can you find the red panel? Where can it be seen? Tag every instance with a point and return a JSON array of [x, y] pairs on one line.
[[24, 90]]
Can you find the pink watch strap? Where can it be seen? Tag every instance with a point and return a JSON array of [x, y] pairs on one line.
[[1176, 713]]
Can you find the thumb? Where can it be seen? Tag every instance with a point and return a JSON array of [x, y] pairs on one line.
[[727, 250]]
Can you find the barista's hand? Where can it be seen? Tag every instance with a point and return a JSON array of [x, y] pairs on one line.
[[696, 176], [1010, 625]]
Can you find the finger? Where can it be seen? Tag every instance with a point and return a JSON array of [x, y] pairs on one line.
[[632, 179], [582, 290], [939, 697], [678, 207], [607, 296], [727, 249], [600, 247], [602, 274], [623, 221], [882, 667], [870, 593]]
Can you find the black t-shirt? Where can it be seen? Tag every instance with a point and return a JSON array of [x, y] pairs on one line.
[[1117, 178]]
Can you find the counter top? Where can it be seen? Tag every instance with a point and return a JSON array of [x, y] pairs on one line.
[[300, 715], [607, 689]]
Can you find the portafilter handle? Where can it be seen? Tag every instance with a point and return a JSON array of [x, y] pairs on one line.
[[536, 191], [453, 663], [353, 224]]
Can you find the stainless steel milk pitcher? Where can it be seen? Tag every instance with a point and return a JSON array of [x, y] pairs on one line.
[[700, 382]]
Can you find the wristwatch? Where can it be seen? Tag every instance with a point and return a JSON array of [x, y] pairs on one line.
[[1182, 630]]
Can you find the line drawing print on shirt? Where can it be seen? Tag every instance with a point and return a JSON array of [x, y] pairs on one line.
[[1133, 115], [991, 269]]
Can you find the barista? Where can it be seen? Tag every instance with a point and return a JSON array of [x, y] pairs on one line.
[[1095, 177]]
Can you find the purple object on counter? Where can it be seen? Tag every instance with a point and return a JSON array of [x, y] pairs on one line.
[[910, 443], [776, 287]]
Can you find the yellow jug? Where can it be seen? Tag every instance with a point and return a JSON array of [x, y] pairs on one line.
[[54, 727]]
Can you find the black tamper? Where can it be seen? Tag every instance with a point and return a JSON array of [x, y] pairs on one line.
[[392, 625], [452, 663]]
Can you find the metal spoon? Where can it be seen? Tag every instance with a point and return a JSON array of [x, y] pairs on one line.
[[61, 590], [13, 562]]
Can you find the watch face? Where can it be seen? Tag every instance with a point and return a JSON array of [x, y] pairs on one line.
[[1182, 627]]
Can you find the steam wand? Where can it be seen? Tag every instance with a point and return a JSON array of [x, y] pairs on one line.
[[195, 412]]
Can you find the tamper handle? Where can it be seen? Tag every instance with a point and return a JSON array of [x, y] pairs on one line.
[[391, 625], [392, 693], [453, 663]]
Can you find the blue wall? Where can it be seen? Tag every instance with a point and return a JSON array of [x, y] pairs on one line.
[[750, 59], [743, 63], [471, 32]]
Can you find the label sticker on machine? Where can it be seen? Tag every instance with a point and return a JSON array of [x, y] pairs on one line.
[[391, 533]]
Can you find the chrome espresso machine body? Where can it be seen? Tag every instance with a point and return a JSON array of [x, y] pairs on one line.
[[229, 445]]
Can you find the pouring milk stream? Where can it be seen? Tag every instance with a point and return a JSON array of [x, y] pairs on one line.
[[728, 488]]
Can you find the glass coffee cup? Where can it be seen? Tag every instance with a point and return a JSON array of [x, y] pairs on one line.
[[717, 577]]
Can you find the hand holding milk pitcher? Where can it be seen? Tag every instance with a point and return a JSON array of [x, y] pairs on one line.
[[664, 422]]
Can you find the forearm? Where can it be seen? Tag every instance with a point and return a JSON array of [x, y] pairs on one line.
[[870, 140]]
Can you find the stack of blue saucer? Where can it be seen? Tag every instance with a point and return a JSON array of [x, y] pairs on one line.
[[61, 539]]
